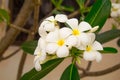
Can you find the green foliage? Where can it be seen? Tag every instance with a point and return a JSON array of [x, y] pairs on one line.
[[46, 68], [108, 35], [99, 13], [29, 46], [58, 5], [70, 73], [67, 8], [80, 3], [109, 50], [4, 16]]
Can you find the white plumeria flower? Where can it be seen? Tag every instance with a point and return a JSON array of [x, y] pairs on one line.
[[115, 10], [50, 23], [40, 56], [40, 51], [77, 32], [57, 43], [91, 52]]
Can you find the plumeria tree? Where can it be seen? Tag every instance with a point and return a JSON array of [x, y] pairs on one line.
[[63, 34]]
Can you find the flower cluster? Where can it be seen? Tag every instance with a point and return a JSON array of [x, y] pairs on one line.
[[59, 41], [115, 10]]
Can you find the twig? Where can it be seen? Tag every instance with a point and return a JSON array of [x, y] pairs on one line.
[[30, 37], [89, 65], [102, 72], [80, 68], [87, 3], [19, 28], [74, 14], [21, 65], [12, 54]]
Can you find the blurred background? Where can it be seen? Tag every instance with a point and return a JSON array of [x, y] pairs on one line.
[[9, 67]]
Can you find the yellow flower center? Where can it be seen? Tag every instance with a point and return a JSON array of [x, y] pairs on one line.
[[60, 42], [114, 9], [76, 32], [55, 23], [88, 48]]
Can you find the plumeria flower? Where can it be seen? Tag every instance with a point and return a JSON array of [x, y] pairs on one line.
[[77, 32], [57, 43], [91, 50], [50, 23], [40, 56], [40, 51], [115, 10]]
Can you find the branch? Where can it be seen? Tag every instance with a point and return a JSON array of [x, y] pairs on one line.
[[12, 54], [102, 72], [89, 65], [74, 14], [19, 21], [80, 68], [21, 65], [30, 37], [19, 28]]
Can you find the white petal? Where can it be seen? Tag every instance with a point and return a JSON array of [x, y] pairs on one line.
[[37, 50], [98, 57], [42, 43], [42, 31], [51, 48], [62, 51], [65, 32], [52, 36], [94, 29], [51, 18], [89, 56], [84, 38], [71, 41], [97, 46], [84, 26], [73, 23], [49, 26], [114, 14], [91, 37], [119, 12], [61, 17], [37, 66]]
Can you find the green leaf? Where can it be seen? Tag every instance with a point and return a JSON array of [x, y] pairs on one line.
[[99, 13], [70, 73], [29, 46], [108, 35], [80, 3], [46, 68], [57, 3], [109, 50], [67, 8], [4, 16]]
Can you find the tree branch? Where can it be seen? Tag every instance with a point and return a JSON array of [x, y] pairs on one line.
[[20, 21], [30, 37], [102, 72], [19, 28], [12, 54]]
